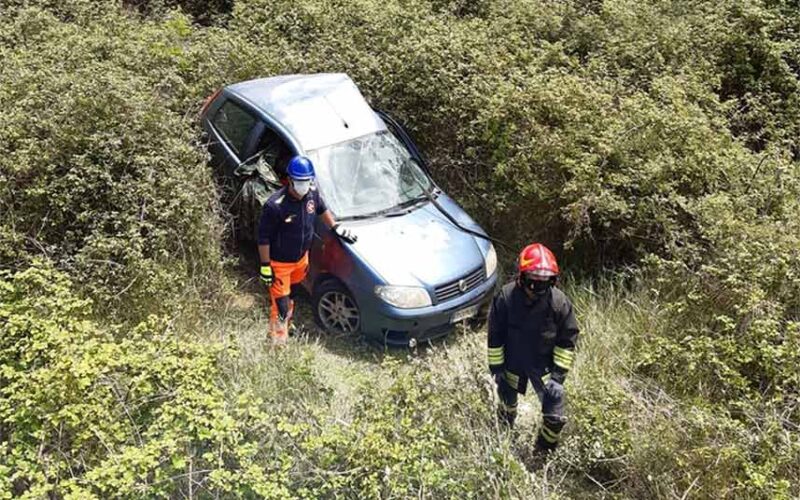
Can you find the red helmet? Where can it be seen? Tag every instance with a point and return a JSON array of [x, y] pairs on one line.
[[537, 260]]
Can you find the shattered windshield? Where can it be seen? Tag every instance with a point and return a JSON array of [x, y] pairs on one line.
[[370, 174]]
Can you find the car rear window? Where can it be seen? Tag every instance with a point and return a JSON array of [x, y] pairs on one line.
[[234, 124]]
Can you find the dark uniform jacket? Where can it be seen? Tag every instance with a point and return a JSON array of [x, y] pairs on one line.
[[287, 224], [530, 339]]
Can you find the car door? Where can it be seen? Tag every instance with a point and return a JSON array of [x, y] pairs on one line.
[[232, 127], [260, 174]]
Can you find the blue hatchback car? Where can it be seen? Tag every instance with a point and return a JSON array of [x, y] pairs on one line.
[[419, 265]]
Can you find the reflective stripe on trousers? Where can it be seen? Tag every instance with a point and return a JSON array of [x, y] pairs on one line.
[[553, 410]]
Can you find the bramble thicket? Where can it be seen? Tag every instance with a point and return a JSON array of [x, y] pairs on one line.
[[653, 144]]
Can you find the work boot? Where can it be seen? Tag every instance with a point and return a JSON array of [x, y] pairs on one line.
[[545, 446], [278, 332], [550, 431], [280, 339], [507, 415]]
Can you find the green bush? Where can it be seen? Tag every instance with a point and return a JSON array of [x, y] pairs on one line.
[[739, 461], [604, 122], [608, 121], [734, 313], [90, 411], [412, 438], [97, 171]]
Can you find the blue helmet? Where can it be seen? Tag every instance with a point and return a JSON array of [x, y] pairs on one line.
[[300, 168]]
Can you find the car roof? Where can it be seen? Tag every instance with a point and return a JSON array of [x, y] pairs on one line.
[[318, 110]]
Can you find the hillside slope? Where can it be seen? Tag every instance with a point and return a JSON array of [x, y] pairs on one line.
[[652, 144]]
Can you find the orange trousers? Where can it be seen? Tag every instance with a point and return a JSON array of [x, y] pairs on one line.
[[284, 275]]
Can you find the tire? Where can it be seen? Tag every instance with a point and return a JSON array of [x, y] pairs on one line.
[[335, 309]]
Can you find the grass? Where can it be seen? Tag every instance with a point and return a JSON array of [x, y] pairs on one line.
[[349, 372], [627, 436]]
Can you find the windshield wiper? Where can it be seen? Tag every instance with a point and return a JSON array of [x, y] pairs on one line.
[[371, 215], [395, 211], [412, 202], [405, 207]]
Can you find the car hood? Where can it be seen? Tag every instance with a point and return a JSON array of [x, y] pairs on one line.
[[421, 247]]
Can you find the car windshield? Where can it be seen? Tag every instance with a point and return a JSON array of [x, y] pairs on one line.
[[369, 175]]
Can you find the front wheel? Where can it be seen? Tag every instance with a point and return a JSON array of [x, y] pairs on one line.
[[335, 309]]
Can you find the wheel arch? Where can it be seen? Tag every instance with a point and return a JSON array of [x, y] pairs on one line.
[[325, 277]]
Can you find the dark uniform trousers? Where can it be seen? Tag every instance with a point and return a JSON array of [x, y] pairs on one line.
[[553, 410]]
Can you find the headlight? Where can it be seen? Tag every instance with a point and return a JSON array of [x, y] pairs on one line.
[[404, 297], [491, 261]]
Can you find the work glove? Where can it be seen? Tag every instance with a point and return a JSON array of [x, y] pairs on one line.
[[344, 234], [266, 274], [554, 389]]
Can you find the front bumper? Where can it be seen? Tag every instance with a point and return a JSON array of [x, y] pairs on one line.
[[397, 327]]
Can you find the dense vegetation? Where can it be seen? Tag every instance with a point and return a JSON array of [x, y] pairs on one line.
[[654, 144]]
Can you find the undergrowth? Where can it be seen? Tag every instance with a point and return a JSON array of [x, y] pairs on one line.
[[653, 145]]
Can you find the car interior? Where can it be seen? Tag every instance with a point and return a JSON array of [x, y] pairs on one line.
[[275, 152]]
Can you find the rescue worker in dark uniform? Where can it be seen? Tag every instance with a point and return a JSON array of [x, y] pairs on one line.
[[285, 234], [532, 335]]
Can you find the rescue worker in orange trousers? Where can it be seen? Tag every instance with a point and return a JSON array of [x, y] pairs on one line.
[[285, 234], [532, 335]]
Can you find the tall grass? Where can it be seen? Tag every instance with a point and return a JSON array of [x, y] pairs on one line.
[[609, 446]]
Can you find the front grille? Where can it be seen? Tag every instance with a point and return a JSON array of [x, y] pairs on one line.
[[455, 288]]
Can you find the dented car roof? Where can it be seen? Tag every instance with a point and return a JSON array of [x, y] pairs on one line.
[[318, 110]]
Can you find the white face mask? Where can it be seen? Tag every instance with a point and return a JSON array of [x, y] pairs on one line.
[[301, 187]]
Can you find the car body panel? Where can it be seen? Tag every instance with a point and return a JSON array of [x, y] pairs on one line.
[[416, 249], [384, 322], [398, 326]]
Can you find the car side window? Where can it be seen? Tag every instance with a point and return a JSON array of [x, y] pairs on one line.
[[234, 124]]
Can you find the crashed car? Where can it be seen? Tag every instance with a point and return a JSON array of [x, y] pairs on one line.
[[420, 264]]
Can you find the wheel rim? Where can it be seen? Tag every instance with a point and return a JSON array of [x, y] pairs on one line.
[[338, 312]]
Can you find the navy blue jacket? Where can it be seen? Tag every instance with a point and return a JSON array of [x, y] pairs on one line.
[[529, 338], [287, 224]]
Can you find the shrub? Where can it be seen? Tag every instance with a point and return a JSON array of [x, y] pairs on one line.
[[96, 170], [105, 411], [605, 122], [734, 314], [413, 432]]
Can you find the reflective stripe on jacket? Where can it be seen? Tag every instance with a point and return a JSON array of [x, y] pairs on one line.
[[530, 338]]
